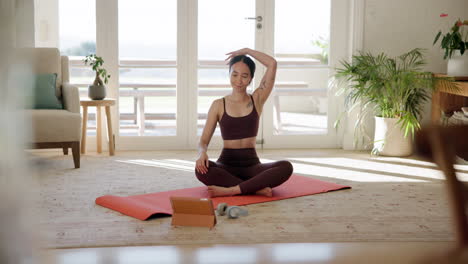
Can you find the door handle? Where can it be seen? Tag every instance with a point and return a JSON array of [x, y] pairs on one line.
[[257, 18]]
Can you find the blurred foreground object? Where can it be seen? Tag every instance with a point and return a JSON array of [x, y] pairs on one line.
[[442, 145], [16, 221]]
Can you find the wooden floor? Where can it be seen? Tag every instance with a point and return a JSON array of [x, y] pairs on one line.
[[382, 252]]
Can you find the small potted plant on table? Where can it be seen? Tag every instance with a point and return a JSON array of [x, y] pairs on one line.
[[455, 43], [97, 91]]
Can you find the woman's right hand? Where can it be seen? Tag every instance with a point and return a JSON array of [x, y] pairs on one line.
[[202, 163], [235, 53]]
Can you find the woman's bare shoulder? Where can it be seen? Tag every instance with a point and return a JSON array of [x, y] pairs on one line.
[[217, 103], [217, 106]]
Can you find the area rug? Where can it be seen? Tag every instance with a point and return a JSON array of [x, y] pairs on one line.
[[391, 200]]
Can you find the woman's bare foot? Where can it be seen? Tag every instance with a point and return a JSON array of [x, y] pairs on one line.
[[267, 191], [215, 191]]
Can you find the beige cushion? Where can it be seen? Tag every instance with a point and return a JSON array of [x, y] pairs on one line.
[[54, 125]]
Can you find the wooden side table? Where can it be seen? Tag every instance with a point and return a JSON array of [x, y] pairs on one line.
[[446, 100], [107, 103]]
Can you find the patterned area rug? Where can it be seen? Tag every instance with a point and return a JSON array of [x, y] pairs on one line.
[[392, 199]]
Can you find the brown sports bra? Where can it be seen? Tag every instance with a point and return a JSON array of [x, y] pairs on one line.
[[239, 127]]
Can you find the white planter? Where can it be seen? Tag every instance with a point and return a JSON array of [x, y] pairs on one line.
[[389, 138], [458, 64]]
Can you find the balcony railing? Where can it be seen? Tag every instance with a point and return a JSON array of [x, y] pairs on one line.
[[299, 62], [139, 90]]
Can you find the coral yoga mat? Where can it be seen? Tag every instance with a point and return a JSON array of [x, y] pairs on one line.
[[146, 205]]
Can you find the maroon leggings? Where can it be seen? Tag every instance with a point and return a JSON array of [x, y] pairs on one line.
[[242, 167]]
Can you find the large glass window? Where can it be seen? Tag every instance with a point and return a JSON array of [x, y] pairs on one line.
[[77, 39], [147, 61], [300, 96], [306, 23], [222, 28], [148, 70]]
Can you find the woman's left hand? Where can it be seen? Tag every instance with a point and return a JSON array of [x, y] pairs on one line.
[[232, 54]]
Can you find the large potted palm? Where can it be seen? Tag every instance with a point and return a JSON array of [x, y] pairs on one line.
[[392, 89]]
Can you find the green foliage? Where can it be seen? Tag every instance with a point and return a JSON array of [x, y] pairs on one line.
[[85, 48], [323, 44], [389, 87], [456, 39], [96, 63]]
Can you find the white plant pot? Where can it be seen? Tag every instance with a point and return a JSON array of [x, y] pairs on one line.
[[458, 64], [389, 138]]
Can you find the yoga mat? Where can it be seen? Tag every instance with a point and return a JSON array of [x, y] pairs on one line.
[[146, 205]]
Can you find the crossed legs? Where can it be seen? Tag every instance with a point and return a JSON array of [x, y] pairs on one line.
[[223, 180]]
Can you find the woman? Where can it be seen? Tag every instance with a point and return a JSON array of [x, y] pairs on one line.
[[238, 170]]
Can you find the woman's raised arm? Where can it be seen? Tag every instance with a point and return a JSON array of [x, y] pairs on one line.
[[268, 80]]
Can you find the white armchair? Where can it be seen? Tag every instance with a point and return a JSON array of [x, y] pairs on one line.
[[56, 128]]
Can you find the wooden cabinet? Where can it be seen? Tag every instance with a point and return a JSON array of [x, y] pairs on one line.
[[449, 101]]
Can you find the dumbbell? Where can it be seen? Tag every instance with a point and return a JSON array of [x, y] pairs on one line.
[[231, 211]]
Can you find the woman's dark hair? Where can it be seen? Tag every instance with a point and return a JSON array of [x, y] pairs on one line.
[[247, 60]]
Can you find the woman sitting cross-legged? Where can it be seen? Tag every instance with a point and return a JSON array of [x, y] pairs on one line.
[[238, 169]]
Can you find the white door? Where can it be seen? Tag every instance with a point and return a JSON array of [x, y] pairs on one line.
[[223, 26], [152, 74], [301, 110], [307, 38]]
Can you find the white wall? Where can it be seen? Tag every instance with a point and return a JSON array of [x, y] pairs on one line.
[[24, 15], [398, 26], [7, 32], [46, 23]]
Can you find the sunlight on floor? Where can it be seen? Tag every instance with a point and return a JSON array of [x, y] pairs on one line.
[[377, 168], [403, 161], [381, 169], [352, 173], [175, 164]]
